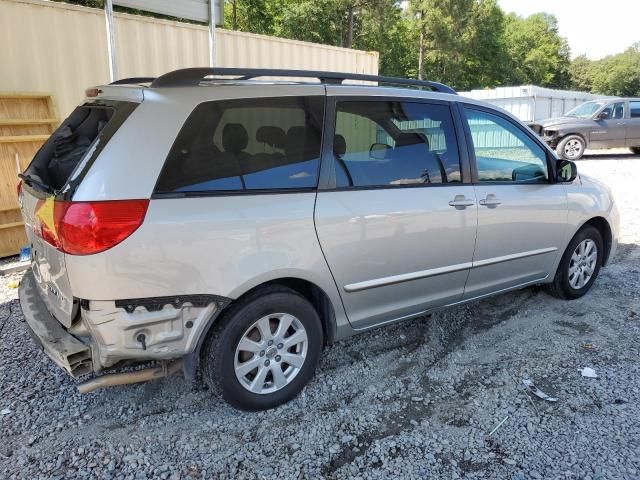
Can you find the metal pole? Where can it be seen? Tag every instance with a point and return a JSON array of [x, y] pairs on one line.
[[111, 46], [212, 33]]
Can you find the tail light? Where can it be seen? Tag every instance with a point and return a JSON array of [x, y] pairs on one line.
[[19, 188], [85, 228]]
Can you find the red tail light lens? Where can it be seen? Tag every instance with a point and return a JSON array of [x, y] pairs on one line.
[[19, 188], [85, 228]]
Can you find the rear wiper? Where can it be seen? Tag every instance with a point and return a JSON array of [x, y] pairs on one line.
[[29, 180]]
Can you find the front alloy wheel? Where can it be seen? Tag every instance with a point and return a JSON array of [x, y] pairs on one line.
[[579, 265], [583, 263], [571, 147]]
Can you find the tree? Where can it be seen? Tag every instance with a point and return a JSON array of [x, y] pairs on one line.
[[581, 71], [460, 40], [256, 16], [381, 25], [537, 52], [312, 21], [618, 74]]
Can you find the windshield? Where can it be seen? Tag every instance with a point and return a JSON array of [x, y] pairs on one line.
[[586, 110]]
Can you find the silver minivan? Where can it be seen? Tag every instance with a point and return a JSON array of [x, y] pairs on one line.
[[230, 227]]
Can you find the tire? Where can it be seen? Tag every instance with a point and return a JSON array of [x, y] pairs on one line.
[[635, 150], [570, 287], [571, 147], [248, 320]]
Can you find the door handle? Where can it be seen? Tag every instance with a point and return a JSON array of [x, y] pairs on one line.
[[460, 202], [490, 202]]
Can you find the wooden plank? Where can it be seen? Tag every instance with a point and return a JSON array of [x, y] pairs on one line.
[[9, 209], [28, 121], [14, 158], [11, 241], [11, 225], [52, 107], [23, 138], [24, 95]]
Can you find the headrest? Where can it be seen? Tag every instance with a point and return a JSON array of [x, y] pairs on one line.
[[234, 138], [302, 143], [273, 136], [295, 142], [339, 145]]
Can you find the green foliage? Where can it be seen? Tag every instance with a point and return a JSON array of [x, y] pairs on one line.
[[618, 74], [467, 43], [380, 26], [256, 16], [537, 54], [311, 21], [581, 71], [463, 41]]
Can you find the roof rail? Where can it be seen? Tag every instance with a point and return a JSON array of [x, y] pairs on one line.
[[193, 76], [133, 80]]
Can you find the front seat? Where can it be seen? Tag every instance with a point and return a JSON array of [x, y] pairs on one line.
[[234, 160], [339, 149], [411, 151]]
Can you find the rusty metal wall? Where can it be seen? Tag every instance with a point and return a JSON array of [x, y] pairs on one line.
[[62, 49]]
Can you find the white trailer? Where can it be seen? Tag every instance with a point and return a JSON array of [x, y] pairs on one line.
[[531, 103]]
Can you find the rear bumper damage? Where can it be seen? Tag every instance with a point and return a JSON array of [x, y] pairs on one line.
[[110, 333], [67, 351]]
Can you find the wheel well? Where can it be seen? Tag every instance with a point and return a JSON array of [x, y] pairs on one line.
[[605, 230], [318, 298], [315, 295]]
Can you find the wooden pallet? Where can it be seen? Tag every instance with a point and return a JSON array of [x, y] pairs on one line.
[[26, 121]]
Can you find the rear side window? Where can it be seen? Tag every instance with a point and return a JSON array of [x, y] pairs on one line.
[[246, 144], [614, 111], [394, 143], [634, 107]]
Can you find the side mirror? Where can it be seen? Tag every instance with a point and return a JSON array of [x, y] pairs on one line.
[[378, 151], [566, 171], [604, 115]]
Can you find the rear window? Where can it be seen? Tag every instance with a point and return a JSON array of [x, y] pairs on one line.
[[246, 144], [80, 138]]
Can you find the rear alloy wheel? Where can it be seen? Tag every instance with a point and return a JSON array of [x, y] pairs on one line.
[[264, 349], [271, 353], [579, 266], [571, 147]]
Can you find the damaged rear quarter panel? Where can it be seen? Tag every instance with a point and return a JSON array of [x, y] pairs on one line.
[[233, 243], [169, 332]]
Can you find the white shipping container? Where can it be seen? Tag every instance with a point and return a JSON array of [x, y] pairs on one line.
[[531, 103]]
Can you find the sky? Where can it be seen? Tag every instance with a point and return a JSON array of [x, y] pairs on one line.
[[596, 28]]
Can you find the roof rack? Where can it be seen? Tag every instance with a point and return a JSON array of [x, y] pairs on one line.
[[193, 76], [133, 80]]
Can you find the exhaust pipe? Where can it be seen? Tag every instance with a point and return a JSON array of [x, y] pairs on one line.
[[126, 378]]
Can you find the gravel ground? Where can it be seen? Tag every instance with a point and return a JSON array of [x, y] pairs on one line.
[[440, 396]]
